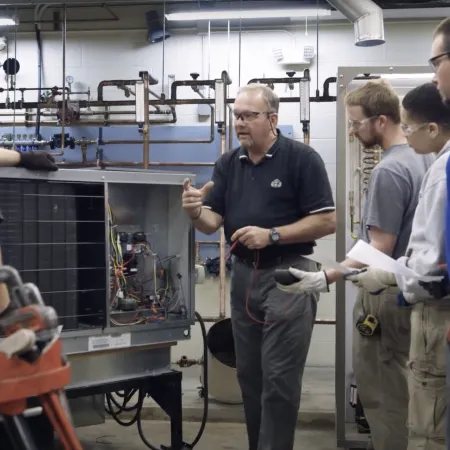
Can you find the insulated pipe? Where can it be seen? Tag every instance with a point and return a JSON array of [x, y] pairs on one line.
[[146, 129], [367, 19]]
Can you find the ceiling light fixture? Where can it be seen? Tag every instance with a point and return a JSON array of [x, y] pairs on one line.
[[8, 21], [247, 14]]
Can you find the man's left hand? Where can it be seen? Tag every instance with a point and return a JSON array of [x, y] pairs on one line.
[[373, 280], [254, 238]]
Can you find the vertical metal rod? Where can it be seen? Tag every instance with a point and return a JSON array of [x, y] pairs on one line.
[[7, 76], [230, 128], [63, 118], [229, 46], [209, 56], [15, 79], [240, 52], [222, 242], [19, 433], [146, 130], [163, 47], [222, 266]]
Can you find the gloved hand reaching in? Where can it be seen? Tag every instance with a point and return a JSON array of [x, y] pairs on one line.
[[37, 160], [307, 282], [373, 280], [437, 289]]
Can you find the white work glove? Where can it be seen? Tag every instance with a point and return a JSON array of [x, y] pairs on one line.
[[373, 280], [308, 282]]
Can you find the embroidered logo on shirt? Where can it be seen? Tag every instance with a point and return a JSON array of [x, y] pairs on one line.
[[276, 183]]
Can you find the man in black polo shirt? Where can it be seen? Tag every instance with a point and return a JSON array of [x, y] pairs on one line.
[[273, 196]]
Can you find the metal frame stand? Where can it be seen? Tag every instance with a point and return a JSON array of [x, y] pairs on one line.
[[165, 389], [19, 433]]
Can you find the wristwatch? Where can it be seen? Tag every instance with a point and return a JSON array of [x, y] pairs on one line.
[[274, 236]]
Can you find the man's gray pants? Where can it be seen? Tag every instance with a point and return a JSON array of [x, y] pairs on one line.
[[272, 333]]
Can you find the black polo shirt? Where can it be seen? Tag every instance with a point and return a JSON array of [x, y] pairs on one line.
[[288, 184]]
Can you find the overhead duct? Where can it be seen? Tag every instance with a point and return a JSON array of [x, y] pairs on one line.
[[367, 19]]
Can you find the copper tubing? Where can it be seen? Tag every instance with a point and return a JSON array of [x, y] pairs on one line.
[[230, 128], [172, 141], [306, 138], [63, 112], [97, 123], [146, 129], [116, 83], [91, 113]]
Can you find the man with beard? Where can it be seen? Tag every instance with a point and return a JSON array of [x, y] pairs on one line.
[[274, 199], [379, 360]]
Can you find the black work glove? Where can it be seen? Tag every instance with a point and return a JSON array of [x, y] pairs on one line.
[[437, 289], [37, 160]]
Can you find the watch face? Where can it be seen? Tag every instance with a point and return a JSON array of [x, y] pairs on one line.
[[275, 236]]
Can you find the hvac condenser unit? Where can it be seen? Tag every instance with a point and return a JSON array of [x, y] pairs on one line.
[[113, 252]]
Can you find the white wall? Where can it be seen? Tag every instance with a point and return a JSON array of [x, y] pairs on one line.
[[95, 56]]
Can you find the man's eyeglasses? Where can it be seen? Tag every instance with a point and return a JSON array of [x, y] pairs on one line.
[[357, 124], [248, 116], [436, 60]]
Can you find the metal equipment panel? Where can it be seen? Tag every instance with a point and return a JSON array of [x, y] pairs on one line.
[[353, 164], [113, 252]]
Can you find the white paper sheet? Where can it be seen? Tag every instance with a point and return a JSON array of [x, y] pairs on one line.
[[366, 254]]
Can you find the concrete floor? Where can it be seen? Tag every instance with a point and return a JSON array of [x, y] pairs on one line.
[[317, 404], [217, 436], [225, 429]]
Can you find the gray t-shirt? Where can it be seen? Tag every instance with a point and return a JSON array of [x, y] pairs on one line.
[[393, 193]]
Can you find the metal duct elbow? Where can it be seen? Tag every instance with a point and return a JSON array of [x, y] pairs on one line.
[[367, 19]]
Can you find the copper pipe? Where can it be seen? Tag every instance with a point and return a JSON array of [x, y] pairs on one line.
[[306, 138], [230, 128], [97, 123], [90, 113], [116, 83], [222, 273], [172, 141], [146, 129], [197, 253], [212, 318], [63, 112]]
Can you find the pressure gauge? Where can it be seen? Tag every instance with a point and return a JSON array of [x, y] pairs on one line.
[[69, 79]]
